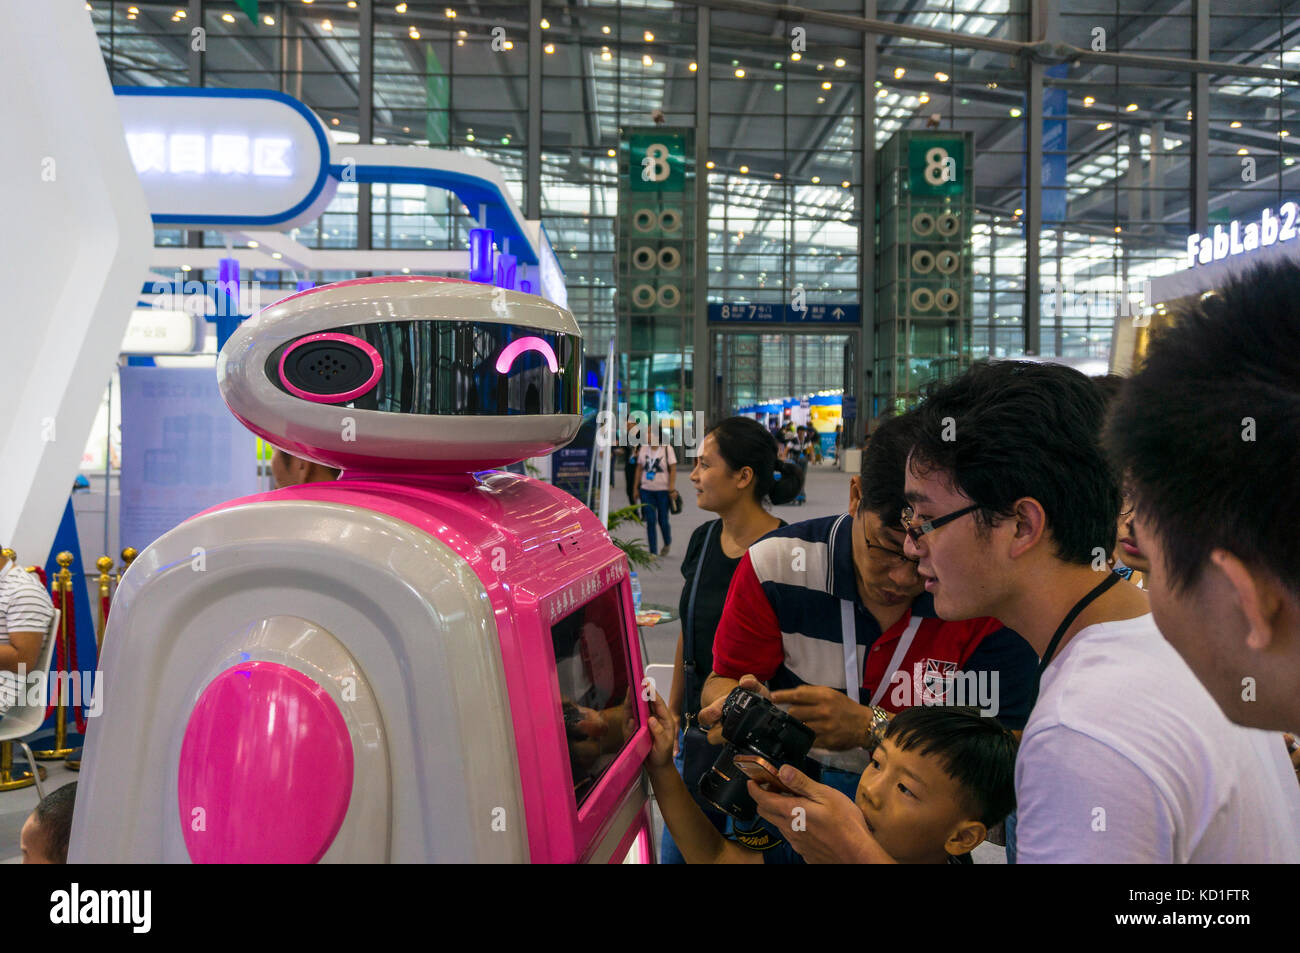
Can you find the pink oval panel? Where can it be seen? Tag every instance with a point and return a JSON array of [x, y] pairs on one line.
[[266, 769]]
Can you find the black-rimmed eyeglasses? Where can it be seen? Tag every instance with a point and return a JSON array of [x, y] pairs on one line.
[[917, 530], [899, 559]]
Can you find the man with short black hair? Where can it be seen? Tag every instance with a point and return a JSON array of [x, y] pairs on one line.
[[1012, 512], [813, 601], [1208, 432]]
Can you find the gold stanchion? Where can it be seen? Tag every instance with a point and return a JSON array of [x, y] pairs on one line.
[[63, 580], [104, 564], [8, 780]]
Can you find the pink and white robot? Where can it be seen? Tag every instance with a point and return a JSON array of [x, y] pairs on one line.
[[423, 661]]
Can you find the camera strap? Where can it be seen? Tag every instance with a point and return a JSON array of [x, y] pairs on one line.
[[688, 624], [1097, 590]]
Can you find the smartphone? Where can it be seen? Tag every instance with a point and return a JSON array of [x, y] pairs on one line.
[[761, 771]]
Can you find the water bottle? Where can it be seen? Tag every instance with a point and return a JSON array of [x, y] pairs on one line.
[[636, 592]]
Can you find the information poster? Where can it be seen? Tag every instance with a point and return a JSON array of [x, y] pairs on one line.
[[182, 450]]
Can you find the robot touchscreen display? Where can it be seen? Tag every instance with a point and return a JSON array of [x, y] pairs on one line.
[[595, 696]]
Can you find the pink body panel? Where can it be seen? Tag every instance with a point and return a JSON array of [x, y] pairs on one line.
[[265, 771], [557, 557]]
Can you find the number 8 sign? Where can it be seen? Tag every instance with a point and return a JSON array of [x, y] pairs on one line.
[[656, 163], [935, 166]]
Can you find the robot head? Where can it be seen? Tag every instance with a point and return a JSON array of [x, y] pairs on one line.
[[407, 374]]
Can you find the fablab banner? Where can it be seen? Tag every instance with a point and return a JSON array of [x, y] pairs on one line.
[[182, 451]]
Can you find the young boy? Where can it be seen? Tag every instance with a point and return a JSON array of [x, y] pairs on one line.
[[938, 780], [44, 837]]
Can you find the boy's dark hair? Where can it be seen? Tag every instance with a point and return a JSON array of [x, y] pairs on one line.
[[1013, 429], [54, 815], [1208, 429], [884, 469], [1109, 385], [976, 752]]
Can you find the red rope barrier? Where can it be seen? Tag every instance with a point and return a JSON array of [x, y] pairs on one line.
[[56, 597], [78, 704]]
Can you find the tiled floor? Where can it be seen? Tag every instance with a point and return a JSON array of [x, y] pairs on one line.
[[827, 491]]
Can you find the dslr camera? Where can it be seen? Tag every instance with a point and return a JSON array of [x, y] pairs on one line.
[[751, 725]]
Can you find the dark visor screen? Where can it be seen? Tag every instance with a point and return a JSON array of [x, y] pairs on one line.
[[466, 368]]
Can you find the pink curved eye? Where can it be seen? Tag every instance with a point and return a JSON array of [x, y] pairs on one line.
[[517, 347]]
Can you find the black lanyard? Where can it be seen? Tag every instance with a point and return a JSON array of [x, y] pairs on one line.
[[1110, 580]]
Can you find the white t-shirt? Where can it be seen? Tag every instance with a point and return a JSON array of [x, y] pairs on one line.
[[1127, 759], [24, 607], [654, 466]]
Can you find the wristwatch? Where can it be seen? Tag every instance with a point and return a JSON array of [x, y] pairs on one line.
[[876, 730]]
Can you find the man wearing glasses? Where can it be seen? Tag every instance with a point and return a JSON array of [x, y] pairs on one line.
[[1012, 510], [831, 614]]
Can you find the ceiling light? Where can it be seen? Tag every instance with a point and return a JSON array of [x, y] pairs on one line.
[[796, 57], [460, 42], [709, 164], [450, 13], [693, 67], [414, 34], [462, 33], [1103, 126], [400, 8], [268, 20], [1242, 152], [604, 29], [647, 61], [1018, 212], [611, 153], [1015, 112], [508, 45], [776, 175], [546, 24], [1131, 108], [648, 36], [941, 77], [1088, 100], [326, 25], [230, 17], [924, 98], [844, 184], [604, 55], [252, 244], [820, 67], [335, 120], [839, 63], [1235, 124], [740, 74], [899, 73], [549, 47], [744, 170], [826, 85], [180, 14], [821, 99], [816, 179]]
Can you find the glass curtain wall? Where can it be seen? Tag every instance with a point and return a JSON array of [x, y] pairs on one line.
[[785, 135]]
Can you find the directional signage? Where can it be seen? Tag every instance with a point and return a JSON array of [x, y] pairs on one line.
[[227, 156], [785, 314]]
